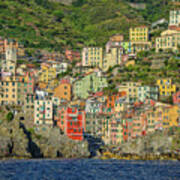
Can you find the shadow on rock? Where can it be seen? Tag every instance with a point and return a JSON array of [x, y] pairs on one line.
[[33, 149], [94, 144]]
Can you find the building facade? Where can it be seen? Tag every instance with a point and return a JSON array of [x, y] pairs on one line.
[[9, 63], [139, 34], [92, 56], [166, 87], [63, 90], [91, 83], [174, 18], [43, 112]]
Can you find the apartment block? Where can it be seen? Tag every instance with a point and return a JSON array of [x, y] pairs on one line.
[[92, 56], [43, 112], [147, 92], [170, 39], [113, 57], [47, 73], [166, 87], [131, 89], [71, 120], [174, 18], [139, 34], [9, 63], [63, 90], [91, 83]]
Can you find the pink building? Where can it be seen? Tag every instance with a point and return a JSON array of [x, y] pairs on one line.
[[72, 55], [176, 98]]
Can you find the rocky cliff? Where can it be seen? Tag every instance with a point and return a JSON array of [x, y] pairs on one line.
[[19, 140], [16, 140], [158, 145]]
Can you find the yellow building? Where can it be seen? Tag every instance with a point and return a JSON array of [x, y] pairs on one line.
[[47, 73], [169, 115], [170, 39], [112, 58], [8, 91], [140, 46], [139, 34], [92, 56], [139, 37], [173, 116], [12, 91], [131, 89], [130, 63], [166, 87]]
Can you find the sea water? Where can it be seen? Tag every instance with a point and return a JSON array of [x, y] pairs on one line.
[[88, 169]]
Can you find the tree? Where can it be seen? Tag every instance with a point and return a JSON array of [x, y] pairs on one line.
[[9, 116], [59, 14]]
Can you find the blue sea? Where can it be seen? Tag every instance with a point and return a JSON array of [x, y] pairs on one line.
[[88, 169]]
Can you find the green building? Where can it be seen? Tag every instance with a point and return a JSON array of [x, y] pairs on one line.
[[91, 83]]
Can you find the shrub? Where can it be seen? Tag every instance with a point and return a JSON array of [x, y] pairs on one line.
[[9, 116]]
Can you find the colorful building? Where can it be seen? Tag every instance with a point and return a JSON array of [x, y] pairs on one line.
[[166, 87], [91, 83], [139, 124], [9, 63], [116, 101], [176, 98], [47, 73], [139, 34], [147, 92], [72, 122], [72, 55], [174, 18], [9, 92], [94, 124], [92, 56], [43, 112], [170, 39], [113, 57], [63, 90], [13, 91], [61, 67], [131, 89], [140, 46]]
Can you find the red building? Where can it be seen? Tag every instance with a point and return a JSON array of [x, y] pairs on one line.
[[176, 98], [72, 122], [72, 55]]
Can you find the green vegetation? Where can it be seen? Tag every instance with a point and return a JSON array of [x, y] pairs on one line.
[[42, 24], [154, 9], [9, 116], [142, 71]]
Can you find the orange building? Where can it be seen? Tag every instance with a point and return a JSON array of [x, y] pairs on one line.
[[112, 99], [63, 90]]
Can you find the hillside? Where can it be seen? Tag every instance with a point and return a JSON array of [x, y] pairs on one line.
[[51, 25]]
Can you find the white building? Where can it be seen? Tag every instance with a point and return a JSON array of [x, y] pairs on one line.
[[174, 18], [60, 67], [9, 63], [43, 112]]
